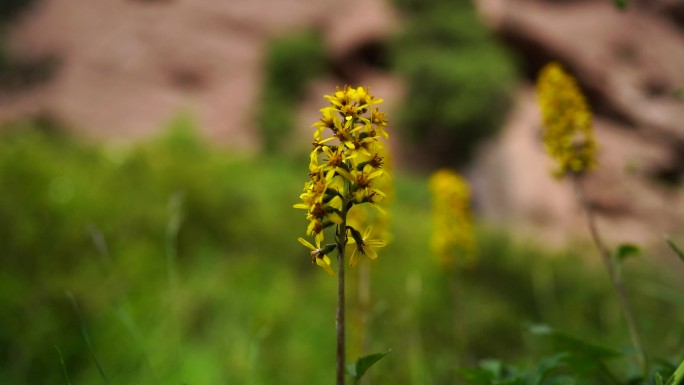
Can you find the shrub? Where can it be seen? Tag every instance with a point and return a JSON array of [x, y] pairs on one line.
[[459, 79], [291, 62]]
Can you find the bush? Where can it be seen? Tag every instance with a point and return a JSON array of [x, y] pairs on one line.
[[291, 62], [459, 79]]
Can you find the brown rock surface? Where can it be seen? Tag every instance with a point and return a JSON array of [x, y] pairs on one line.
[[128, 66], [630, 65]]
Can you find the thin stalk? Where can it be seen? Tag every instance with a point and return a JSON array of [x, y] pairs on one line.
[[364, 293], [339, 319], [615, 277]]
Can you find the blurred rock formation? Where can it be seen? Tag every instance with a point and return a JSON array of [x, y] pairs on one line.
[[630, 66], [126, 67]]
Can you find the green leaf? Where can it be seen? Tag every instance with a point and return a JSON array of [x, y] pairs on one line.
[[582, 355], [545, 366], [478, 376], [625, 251], [357, 370], [540, 329], [678, 375], [620, 4], [675, 248], [658, 379]]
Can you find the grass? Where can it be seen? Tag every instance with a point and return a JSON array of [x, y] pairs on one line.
[[231, 297]]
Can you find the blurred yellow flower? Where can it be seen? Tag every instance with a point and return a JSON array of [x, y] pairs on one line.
[[568, 135], [453, 239]]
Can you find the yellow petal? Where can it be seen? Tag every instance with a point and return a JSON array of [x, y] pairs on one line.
[[324, 262], [353, 258], [306, 243]]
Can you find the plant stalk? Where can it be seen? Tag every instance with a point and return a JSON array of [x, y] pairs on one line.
[[339, 319], [615, 277]]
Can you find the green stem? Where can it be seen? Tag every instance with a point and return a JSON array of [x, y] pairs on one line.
[[615, 277], [339, 319]]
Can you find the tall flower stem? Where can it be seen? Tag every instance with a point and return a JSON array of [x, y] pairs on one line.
[[615, 276], [339, 319]]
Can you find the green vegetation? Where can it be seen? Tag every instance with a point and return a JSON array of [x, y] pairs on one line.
[[183, 265], [291, 62], [459, 78]]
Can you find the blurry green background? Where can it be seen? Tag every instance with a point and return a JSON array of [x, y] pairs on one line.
[[175, 261]]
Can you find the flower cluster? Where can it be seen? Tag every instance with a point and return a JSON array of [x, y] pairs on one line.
[[346, 163], [453, 240], [568, 136]]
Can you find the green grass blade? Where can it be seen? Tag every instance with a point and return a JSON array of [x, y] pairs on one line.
[[678, 375], [86, 337], [128, 322], [675, 248], [61, 360]]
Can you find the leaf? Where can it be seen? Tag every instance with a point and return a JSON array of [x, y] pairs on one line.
[[678, 375], [582, 356], [675, 248], [478, 376], [495, 367], [620, 4], [625, 251], [545, 366], [658, 379], [357, 370], [540, 329]]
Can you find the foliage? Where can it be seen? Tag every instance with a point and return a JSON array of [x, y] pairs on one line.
[[574, 361], [291, 62], [180, 257], [359, 368], [459, 78], [620, 4], [568, 138]]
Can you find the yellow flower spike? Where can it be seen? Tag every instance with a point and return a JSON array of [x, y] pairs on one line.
[[568, 135], [345, 164], [453, 239]]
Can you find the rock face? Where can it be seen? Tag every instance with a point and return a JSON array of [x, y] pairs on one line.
[[630, 66], [128, 66]]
